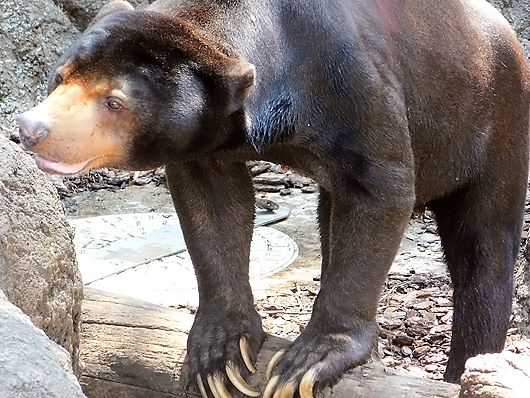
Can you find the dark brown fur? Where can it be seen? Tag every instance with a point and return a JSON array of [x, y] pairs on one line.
[[388, 105]]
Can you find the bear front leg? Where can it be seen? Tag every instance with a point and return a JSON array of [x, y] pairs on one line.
[[215, 204], [365, 230]]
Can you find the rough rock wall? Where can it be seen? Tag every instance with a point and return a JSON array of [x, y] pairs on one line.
[[33, 34], [38, 267], [81, 12], [517, 12]]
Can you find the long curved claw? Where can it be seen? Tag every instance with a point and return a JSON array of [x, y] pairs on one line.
[[271, 387], [287, 391], [273, 362], [240, 383], [220, 387], [243, 346], [200, 384], [213, 388], [307, 383]]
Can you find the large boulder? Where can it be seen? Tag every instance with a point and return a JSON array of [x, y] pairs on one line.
[[38, 267], [31, 365], [33, 35], [81, 12]]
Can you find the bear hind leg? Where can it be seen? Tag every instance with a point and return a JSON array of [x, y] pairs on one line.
[[480, 234]]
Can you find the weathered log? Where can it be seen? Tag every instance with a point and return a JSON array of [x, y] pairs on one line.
[[132, 349]]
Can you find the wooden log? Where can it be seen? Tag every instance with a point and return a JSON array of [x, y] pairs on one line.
[[134, 349]]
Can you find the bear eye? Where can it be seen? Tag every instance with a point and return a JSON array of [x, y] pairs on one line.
[[114, 105], [58, 80]]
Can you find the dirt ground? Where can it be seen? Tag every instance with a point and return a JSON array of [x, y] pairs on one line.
[[415, 311]]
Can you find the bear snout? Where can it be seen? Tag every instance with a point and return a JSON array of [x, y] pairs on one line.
[[32, 129]]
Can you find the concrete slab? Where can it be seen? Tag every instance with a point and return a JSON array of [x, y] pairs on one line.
[[420, 250], [144, 255]]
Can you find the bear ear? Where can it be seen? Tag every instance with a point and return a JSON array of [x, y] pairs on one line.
[[240, 77], [110, 8]]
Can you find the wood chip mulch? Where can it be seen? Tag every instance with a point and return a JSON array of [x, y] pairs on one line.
[[414, 315]]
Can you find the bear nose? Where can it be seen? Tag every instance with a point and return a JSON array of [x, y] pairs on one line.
[[32, 129]]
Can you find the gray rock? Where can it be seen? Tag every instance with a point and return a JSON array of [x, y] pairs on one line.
[[38, 267], [504, 375], [267, 188], [256, 168], [517, 12], [33, 35], [31, 365], [298, 181], [81, 12], [270, 179]]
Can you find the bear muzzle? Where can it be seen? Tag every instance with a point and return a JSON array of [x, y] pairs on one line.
[[32, 129]]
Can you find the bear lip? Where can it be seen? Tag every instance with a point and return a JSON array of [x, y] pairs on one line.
[[54, 167]]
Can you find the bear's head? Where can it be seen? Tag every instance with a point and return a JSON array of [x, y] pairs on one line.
[[137, 90]]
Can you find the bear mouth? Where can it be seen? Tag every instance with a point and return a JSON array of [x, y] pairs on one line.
[[51, 166]]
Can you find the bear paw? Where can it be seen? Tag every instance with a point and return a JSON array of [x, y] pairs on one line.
[[217, 383], [316, 360], [220, 356]]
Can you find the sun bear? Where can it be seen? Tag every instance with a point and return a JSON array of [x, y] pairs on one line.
[[387, 105]]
